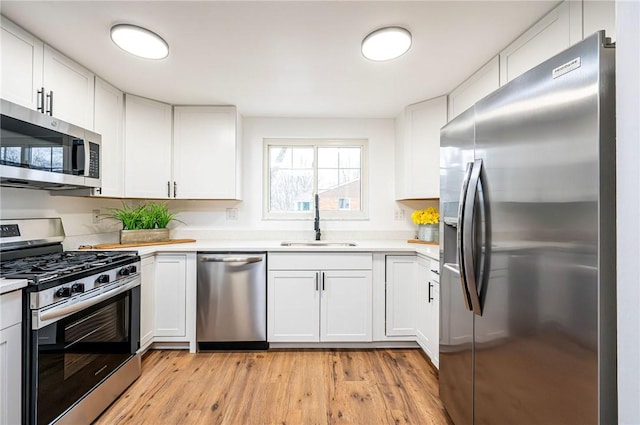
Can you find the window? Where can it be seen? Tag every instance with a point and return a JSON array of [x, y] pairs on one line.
[[295, 170]]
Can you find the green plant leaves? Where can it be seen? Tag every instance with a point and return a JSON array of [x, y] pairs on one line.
[[149, 215]]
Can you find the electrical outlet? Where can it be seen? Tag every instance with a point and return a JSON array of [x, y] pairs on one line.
[[398, 214], [232, 213], [96, 216]]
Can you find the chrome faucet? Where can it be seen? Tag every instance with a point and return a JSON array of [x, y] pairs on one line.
[[316, 222]]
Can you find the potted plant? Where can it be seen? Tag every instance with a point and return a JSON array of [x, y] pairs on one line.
[[144, 223], [427, 221]]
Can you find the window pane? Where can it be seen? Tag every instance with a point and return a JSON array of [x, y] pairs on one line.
[[280, 157], [302, 157], [290, 189], [349, 157], [349, 175], [327, 179], [328, 157]]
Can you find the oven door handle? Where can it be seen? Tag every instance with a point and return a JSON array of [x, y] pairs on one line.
[[44, 318]]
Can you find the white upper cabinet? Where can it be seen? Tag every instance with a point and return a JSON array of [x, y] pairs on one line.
[[206, 152], [599, 15], [109, 122], [480, 84], [558, 30], [21, 55], [418, 149], [29, 66], [147, 148], [70, 87]]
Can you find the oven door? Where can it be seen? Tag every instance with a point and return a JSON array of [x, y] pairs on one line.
[[73, 355]]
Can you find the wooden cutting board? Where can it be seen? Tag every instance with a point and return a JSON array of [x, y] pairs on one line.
[[422, 242], [133, 245]]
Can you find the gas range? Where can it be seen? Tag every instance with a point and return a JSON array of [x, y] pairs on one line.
[[81, 321]]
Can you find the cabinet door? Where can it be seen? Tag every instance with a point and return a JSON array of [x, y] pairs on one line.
[[418, 162], [401, 290], [294, 301], [147, 301], [558, 30], [204, 152], [10, 374], [21, 65], [147, 148], [346, 305], [170, 295], [422, 303], [108, 122], [72, 86], [480, 84], [434, 333]]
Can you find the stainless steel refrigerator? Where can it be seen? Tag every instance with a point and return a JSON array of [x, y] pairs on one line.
[[528, 320]]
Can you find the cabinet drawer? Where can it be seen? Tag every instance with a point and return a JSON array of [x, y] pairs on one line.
[[10, 309], [324, 261]]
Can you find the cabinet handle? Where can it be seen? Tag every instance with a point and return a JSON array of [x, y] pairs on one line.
[[323, 281], [40, 100], [317, 278], [168, 189], [175, 189], [436, 272], [430, 298], [50, 99]]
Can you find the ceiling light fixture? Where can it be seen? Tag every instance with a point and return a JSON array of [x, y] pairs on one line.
[[386, 43], [139, 41]]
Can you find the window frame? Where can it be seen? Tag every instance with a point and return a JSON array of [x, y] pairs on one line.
[[362, 214]]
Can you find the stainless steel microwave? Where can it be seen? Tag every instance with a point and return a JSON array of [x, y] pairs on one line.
[[42, 152]]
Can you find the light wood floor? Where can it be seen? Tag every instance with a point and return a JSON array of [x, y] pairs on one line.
[[285, 387]]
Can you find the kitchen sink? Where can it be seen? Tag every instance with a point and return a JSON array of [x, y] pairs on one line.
[[317, 243]]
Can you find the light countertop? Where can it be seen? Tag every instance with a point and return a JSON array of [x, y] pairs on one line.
[[8, 285], [391, 246]]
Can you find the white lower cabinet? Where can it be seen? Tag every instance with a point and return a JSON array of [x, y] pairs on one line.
[[10, 357], [428, 308], [170, 296], [400, 288], [331, 303], [147, 302]]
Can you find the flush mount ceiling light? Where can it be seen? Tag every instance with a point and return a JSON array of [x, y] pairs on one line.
[[386, 43], [139, 41]]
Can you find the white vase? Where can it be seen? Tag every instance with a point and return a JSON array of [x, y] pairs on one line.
[[428, 232]]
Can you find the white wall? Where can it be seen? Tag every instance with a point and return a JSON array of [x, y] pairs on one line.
[[628, 193], [379, 132]]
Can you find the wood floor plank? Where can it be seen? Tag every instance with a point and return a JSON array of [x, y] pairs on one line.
[[284, 387]]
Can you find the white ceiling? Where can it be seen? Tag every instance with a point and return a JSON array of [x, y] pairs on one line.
[[287, 59]]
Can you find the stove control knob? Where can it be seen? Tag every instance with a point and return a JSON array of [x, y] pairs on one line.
[[103, 278], [63, 292], [77, 288], [123, 271], [132, 269]]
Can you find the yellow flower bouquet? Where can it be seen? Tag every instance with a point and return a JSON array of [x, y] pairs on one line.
[[426, 216]]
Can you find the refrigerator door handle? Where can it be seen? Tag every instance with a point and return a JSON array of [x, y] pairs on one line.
[[469, 220], [460, 234]]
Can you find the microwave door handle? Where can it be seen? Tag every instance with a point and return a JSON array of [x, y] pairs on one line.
[[460, 235]]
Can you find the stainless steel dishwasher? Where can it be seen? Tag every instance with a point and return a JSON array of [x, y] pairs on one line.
[[232, 301]]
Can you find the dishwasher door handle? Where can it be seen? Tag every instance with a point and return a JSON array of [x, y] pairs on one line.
[[241, 260]]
